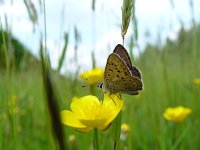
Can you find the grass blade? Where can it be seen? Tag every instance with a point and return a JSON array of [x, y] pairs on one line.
[[51, 100], [62, 57]]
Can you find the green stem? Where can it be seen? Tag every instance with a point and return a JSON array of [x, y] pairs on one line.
[[8, 86], [96, 139], [179, 139], [117, 129], [45, 28], [4, 45], [173, 134], [11, 111]]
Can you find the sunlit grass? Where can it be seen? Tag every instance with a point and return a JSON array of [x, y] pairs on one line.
[[165, 86], [171, 78]]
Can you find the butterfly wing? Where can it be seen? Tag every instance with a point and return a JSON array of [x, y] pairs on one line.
[[118, 79], [136, 72], [123, 54], [115, 69], [130, 85]]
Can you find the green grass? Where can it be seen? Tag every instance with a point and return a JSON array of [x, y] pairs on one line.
[[167, 74]]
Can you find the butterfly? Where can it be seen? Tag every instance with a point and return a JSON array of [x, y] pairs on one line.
[[120, 76]]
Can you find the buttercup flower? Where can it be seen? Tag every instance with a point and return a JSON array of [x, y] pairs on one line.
[[196, 81], [93, 76], [176, 114], [88, 112]]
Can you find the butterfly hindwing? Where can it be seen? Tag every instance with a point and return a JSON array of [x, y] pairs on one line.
[[135, 72], [130, 85]]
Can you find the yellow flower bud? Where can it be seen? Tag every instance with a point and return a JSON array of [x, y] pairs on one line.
[[93, 76]]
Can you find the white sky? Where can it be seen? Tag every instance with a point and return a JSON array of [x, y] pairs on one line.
[[99, 30]]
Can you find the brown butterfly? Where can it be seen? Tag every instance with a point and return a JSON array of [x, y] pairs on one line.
[[120, 75]]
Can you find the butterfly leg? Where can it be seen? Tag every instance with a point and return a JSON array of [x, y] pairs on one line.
[[110, 95], [118, 95]]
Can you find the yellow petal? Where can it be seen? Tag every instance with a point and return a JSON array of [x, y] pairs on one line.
[[176, 114], [88, 112], [86, 107], [70, 119], [112, 105], [93, 76]]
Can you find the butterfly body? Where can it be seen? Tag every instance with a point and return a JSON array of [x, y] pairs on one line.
[[120, 76]]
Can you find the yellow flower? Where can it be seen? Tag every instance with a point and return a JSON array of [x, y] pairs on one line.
[[196, 81], [176, 114], [124, 131], [93, 76], [88, 112], [125, 128]]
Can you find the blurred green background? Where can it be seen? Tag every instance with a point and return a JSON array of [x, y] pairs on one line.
[[168, 73]]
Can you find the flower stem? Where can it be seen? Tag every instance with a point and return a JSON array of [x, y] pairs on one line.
[[176, 143], [117, 130], [95, 139]]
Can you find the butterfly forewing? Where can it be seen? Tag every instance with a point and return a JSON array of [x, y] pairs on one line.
[[116, 69], [123, 54]]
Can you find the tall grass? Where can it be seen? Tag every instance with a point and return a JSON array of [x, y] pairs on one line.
[[167, 73], [167, 80]]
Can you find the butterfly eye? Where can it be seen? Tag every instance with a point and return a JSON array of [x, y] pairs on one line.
[[100, 85]]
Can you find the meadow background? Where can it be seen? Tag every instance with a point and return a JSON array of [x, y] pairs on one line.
[[168, 69]]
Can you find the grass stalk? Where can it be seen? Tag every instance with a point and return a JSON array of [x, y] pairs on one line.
[[4, 46], [51, 101], [96, 139], [127, 9], [10, 105], [117, 129], [45, 28], [178, 140], [49, 90], [31, 11], [62, 57]]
